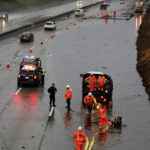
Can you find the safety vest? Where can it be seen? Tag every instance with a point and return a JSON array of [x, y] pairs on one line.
[[101, 80], [68, 93], [43, 72], [102, 113], [89, 100], [91, 78], [79, 137], [106, 13]]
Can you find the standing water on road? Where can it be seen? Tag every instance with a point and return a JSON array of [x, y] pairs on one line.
[[111, 49]]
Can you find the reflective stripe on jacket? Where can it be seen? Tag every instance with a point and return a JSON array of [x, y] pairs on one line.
[[79, 137], [43, 72], [89, 100], [101, 80], [102, 113], [68, 94], [91, 78]]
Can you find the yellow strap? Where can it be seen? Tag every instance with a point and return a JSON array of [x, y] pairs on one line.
[[95, 101], [87, 144], [93, 138]]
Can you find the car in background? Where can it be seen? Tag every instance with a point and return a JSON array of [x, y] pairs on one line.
[[3, 16], [26, 37], [107, 2], [79, 12], [105, 96], [30, 71], [103, 6], [50, 25], [138, 7], [121, 1]]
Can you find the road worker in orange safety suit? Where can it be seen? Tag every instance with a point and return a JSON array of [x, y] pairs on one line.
[[101, 82], [92, 81], [102, 117], [79, 138], [89, 100], [106, 14], [68, 96]]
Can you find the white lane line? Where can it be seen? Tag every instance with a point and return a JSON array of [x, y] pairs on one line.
[[51, 112], [18, 91]]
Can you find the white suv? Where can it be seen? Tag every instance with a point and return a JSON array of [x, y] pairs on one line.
[[79, 12], [50, 25]]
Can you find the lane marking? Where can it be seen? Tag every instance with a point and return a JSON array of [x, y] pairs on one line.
[[7, 45], [18, 91], [51, 112]]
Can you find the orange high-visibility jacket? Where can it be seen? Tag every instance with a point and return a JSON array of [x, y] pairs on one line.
[[89, 100], [79, 137], [92, 79], [102, 113], [106, 13], [68, 94], [101, 80]]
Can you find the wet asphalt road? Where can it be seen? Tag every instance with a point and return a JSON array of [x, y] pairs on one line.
[[90, 45]]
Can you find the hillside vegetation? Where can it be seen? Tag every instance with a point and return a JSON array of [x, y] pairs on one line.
[[143, 48]]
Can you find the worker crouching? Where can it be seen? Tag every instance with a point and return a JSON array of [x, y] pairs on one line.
[[79, 138], [102, 117]]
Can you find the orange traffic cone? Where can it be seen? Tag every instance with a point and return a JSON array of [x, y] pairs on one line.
[[30, 50], [8, 65], [67, 27], [52, 35]]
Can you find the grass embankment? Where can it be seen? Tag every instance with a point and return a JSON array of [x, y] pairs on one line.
[[143, 48]]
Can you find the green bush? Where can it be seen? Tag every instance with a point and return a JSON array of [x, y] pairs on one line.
[[5, 5]]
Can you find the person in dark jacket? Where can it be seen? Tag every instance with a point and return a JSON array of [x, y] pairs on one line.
[[52, 91]]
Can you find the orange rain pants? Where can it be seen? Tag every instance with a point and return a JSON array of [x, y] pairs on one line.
[[79, 146], [104, 120]]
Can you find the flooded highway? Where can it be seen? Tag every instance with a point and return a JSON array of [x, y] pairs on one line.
[[90, 45]]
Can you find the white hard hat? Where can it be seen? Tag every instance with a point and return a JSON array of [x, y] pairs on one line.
[[98, 107], [89, 94], [68, 86], [79, 128]]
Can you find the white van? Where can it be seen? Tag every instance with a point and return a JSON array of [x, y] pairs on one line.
[[50, 25], [79, 12]]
